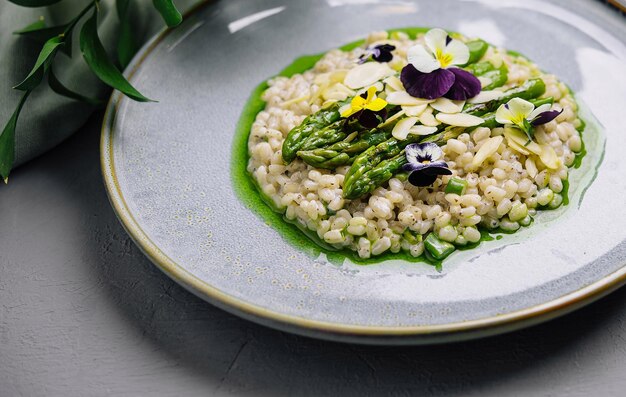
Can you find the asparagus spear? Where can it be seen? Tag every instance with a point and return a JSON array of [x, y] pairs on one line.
[[365, 177], [343, 152], [477, 49], [312, 123], [328, 135], [532, 88]]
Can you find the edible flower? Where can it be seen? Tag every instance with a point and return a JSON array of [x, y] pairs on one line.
[[524, 115], [424, 163], [379, 53], [367, 108], [430, 73]]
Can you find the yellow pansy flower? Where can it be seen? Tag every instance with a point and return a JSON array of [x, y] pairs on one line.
[[370, 102]]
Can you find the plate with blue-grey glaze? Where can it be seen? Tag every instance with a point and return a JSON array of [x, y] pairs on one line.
[[384, 172]]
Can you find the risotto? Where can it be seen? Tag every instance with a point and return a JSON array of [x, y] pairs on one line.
[[415, 144]]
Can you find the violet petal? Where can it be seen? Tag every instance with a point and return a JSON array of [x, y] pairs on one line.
[[419, 178], [465, 86], [433, 169], [370, 119], [431, 85], [413, 166], [546, 117]]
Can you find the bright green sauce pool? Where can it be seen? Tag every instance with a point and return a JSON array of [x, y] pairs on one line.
[[306, 240]]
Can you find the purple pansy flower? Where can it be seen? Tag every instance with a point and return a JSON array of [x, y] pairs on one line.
[[379, 53], [424, 162], [430, 73]]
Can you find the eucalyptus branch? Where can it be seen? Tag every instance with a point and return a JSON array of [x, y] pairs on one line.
[[59, 38]]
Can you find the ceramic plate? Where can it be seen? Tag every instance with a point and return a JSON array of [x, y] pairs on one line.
[[170, 174]]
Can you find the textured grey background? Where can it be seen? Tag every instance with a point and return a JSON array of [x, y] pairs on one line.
[[83, 312]]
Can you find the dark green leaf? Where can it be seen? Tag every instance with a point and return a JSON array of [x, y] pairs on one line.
[[34, 3], [41, 65], [168, 11], [7, 141], [126, 46], [96, 57], [61, 89], [122, 8]]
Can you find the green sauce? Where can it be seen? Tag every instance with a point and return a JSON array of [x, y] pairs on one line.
[[252, 196]]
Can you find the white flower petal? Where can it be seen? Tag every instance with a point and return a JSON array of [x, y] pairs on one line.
[[486, 96], [459, 52], [422, 59], [415, 110], [520, 108], [435, 40], [422, 130], [446, 105], [402, 127], [459, 119], [504, 115], [403, 98], [543, 108], [367, 74]]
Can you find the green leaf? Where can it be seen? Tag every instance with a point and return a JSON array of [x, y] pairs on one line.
[[7, 141], [38, 31], [58, 87], [126, 46], [96, 57], [41, 65], [168, 11], [34, 3]]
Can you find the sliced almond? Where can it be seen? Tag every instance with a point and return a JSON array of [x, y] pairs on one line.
[[446, 105], [402, 127], [459, 119], [486, 96], [428, 119], [517, 147], [484, 81], [496, 60], [392, 118], [337, 91], [548, 157], [338, 76], [403, 98], [515, 135], [531, 168], [422, 130], [394, 82], [366, 74], [295, 100], [414, 110], [378, 85], [488, 148]]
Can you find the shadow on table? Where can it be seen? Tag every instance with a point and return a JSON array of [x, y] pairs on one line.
[[243, 357]]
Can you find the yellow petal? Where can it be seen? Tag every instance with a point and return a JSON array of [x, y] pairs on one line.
[[371, 93], [376, 105]]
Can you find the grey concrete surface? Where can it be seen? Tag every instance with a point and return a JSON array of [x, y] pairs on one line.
[[84, 313]]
